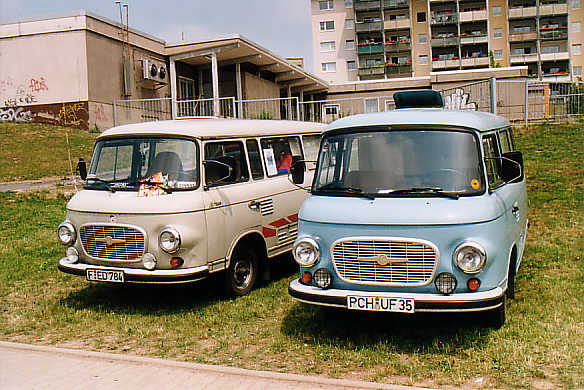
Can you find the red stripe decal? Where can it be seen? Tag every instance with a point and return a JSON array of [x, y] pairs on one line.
[[268, 232], [280, 222], [293, 217]]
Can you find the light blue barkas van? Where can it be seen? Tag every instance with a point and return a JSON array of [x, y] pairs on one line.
[[413, 210]]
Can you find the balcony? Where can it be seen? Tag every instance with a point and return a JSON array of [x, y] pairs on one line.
[[473, 16], [397, 46], [553, 9], [394, 4], [443, 42], [372, 70], [522, 12], [398, 70], [475, 61], [376, 26], [366, 48], [445, 64], [367, 5], [396, 24], [523, 58], [474, 39], [553, 33], [526, 36], [563, 55], [443, 18]]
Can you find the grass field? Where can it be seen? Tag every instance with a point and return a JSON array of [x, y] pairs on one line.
[[541, 346]]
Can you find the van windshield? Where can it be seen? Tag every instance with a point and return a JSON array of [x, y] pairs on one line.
[[127, 163], [399, 163]]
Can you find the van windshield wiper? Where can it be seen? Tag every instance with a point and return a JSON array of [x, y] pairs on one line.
[[341, 188], [152, 183], [421, 190], [105, 183]]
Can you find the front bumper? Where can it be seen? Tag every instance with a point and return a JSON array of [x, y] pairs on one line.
[[134, 275], [464, 302]]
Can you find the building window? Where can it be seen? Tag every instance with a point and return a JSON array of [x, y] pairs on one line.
[[577, 70], [351, 65], [498, 54], [550, 49], [350, 44], [328, 25], [423, 60], [497, 10], [577, 49], [576, 26], [349, 24], [348, 3], [575, 4], [421, 17], [422, 38], [328, 46], [329, 66], [497, 33], [371, 105], [328, 4]]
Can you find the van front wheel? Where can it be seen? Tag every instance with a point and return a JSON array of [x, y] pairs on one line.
[[242, 272]]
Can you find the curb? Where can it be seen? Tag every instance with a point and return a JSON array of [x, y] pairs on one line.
[[315, 380]]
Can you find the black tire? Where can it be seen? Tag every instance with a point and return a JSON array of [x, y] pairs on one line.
[[511, 280], [497, 316], [242, 273]]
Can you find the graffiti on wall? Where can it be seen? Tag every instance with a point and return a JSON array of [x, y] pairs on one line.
[[459, 101], [15, 114], [99, 113]]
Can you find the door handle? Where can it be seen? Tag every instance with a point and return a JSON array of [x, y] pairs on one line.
[[515, 209], [254, 205], [216, 203]]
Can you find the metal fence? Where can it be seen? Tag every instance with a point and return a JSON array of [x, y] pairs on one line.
[[521, 102]]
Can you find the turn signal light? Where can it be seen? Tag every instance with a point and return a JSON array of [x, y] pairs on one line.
[[176, 262], [306, 277], [473, 284]]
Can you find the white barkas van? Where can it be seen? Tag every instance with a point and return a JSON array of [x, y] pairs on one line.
[[174, 201], [413, 210]]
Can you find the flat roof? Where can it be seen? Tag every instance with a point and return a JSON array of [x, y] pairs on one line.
[[216, 128], [481, 121]]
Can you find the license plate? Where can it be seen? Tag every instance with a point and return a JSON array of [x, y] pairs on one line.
[[393, 304], [103, 275]]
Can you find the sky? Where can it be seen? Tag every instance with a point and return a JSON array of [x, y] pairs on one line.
[[281, 26]]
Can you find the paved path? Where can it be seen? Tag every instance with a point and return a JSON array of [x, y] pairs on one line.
[[32, 367], [29, 185]]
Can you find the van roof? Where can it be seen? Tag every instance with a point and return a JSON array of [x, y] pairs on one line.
[[481, 121], [216, 128]]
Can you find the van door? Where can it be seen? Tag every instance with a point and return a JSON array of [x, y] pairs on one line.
[[227, 196]]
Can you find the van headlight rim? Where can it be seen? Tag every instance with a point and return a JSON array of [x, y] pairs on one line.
[[306, 252], [470, 257], [66, 233], [169, 240]]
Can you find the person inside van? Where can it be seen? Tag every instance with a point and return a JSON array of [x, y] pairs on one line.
[[284, 162]]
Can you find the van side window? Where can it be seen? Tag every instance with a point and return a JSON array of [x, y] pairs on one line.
[[506, 139], [279, 152], [255, 160], [311, 144], [221, 154], [492, 160]]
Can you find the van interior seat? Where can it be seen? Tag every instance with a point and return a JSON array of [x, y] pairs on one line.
[[370, 180], [169, 163]]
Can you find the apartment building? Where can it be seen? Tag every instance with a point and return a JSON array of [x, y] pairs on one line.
[[383, 39]]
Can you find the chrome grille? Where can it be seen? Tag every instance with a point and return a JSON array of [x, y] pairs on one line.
[[383, 261], [112, 242]]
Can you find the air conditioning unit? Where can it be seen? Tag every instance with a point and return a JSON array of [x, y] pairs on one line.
[[155, 71]]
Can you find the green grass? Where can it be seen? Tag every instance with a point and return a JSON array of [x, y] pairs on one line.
[[32, 150], [540, 346]]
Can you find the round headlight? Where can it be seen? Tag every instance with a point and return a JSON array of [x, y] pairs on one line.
[[72, 255], [66, 233], [470, 257], [149, 261], [306, 252], [322, 278], [169, 240]]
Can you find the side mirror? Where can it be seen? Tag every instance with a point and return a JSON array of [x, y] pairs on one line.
[[297, 170], [216, 171], [82, 168], [512, 167]]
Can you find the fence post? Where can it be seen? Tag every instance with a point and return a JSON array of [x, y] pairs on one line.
[[526, 110], [115, 114], [493, 85]]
